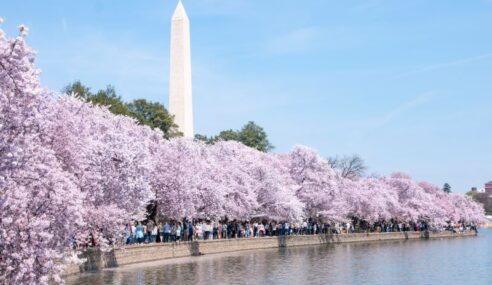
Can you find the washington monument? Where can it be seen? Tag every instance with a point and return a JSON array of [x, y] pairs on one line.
[[180, 98]]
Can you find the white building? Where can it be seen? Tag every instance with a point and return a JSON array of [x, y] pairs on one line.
[[180, 91]]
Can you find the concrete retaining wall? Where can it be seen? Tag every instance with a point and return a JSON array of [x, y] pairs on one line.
[[97, 260]]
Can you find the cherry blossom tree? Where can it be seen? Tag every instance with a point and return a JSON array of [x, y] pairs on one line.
[[317, 185], [235, 163], [178, 175], [224, 179], [455, 208], [109, 156], [259, 183], [40, 205], [468, 210], [67, 168], [415, 203], [371, 199], [277, 194], [446, 209]]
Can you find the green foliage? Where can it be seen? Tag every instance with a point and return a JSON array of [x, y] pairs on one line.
[[250, 135], [155, 115], [446, 188], [229, 135], [254, 136], [109, 98], [147, 113], [202, 138], [78, 89]]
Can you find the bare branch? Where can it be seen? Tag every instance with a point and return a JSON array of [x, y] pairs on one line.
[[351, 167]]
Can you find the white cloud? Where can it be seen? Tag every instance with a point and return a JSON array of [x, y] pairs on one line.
[[446, 65], [299, 40], [373, 124], [406, 106]]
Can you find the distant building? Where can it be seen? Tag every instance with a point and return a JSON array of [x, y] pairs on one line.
[[488, 188], [180, 98]]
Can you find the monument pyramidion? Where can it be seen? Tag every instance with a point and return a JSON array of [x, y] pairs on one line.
[[180, 91]]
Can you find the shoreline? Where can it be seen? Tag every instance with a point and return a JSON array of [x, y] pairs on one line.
[[130, 255]]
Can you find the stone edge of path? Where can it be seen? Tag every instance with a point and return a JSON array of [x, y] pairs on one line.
[[95, 260]]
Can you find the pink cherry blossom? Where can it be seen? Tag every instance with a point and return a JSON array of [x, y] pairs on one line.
[[317, 185], [41, 208]]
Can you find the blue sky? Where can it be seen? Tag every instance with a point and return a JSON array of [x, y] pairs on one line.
[[405, 84]]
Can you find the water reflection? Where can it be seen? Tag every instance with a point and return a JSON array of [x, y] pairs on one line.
[[446, 261]]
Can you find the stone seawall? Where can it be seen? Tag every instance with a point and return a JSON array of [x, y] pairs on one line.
[[96, 260]]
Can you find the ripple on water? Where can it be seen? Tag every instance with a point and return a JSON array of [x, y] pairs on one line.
[[446, 261]]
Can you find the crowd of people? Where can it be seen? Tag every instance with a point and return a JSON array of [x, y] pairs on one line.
[[176, 231]]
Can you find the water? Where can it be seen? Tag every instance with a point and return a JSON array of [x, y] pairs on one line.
[[444, 261]]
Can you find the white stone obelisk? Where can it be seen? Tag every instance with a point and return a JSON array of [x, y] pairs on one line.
[[180, 97]]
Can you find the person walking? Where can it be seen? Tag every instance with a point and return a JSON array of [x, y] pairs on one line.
[[133, 232], [167, 231], [224, 230], [150, 226], [128, 235], [153, 234], [190, 231], [178, 232], [173, 233], [140, 233], [160, 228], [215, 230], [260, 230]]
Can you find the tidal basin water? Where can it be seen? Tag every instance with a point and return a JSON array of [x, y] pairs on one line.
[[444, 261]]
